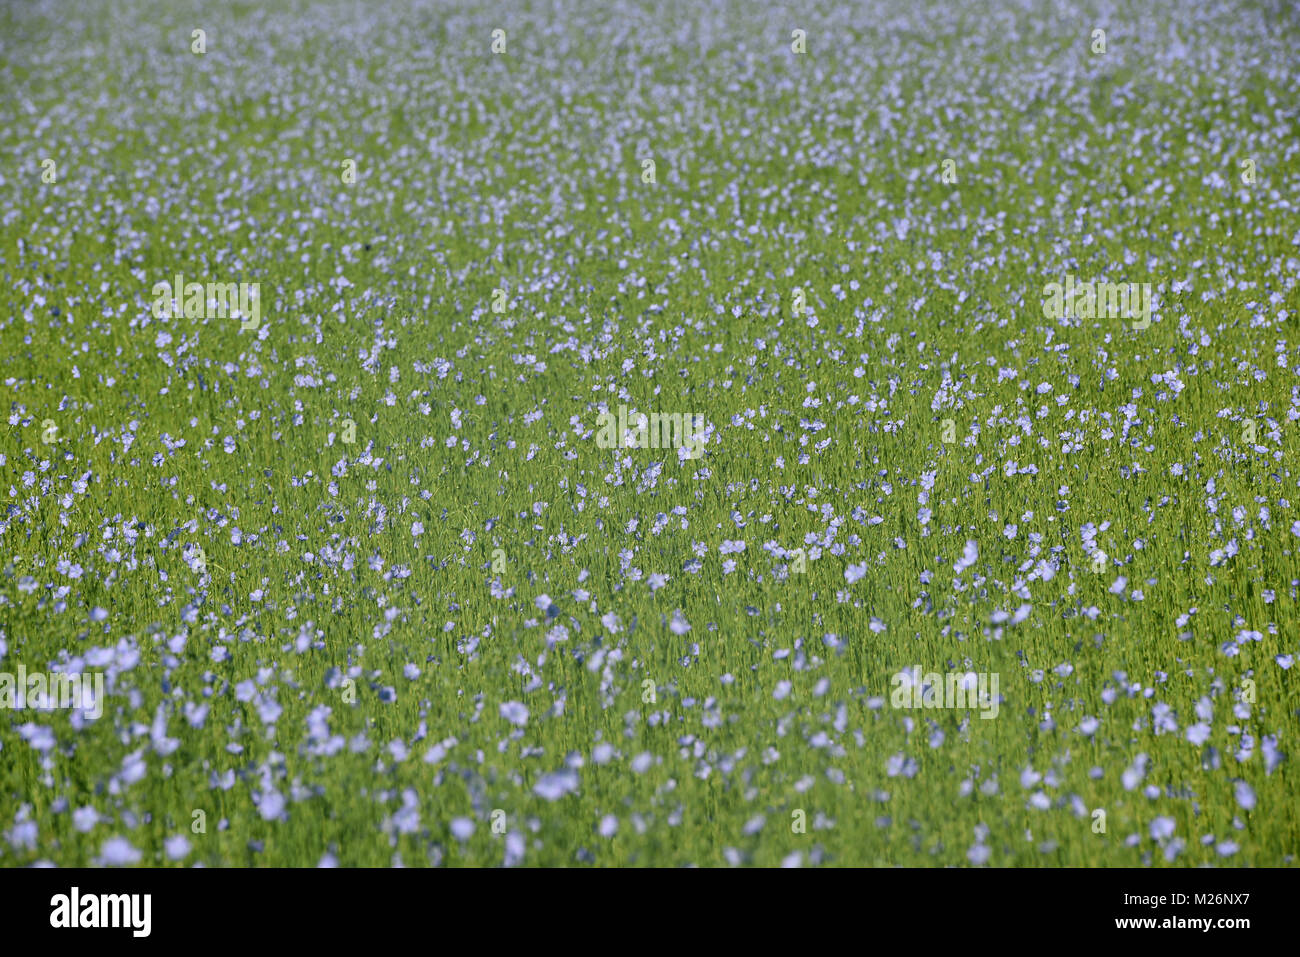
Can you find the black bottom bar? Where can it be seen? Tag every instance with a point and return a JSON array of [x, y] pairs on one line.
[[337, 907]]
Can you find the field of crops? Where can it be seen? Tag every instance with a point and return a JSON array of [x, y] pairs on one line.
[[961, 528]]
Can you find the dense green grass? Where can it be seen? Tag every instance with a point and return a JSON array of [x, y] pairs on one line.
[[774, 171]]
